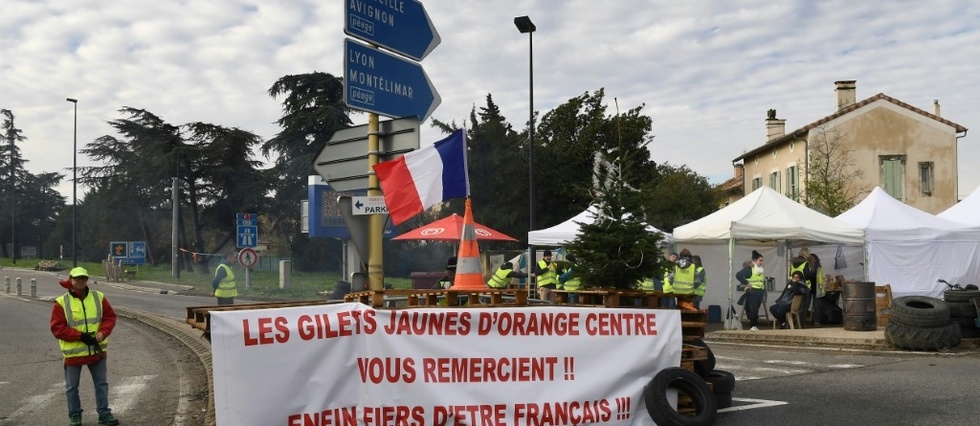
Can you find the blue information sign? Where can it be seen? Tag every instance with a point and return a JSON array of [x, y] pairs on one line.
[[386, 84], [401, 26], [129, 252]]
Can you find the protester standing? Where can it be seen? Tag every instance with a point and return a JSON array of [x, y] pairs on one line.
[[223, 285], [753, 277], [546, 276], [700, 281], [82, 320]]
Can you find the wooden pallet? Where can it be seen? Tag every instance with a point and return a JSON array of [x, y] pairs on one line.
[[610, 298], [435, 298]]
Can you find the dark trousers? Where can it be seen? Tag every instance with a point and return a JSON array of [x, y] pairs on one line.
[[753, 299]]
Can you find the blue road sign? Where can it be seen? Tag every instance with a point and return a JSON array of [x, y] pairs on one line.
[[248, 236], [137, 253], [401, 26], [119, 249], [386, 84]]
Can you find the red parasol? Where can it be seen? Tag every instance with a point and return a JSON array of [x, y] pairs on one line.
[[451, 229]]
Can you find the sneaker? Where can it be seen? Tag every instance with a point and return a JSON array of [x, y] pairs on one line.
[[754, 328], [107, 419], [75, 420]]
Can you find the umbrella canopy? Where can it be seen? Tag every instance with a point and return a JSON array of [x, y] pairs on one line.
[[450, 228]]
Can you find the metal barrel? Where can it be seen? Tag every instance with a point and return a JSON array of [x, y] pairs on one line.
[[859, 306]]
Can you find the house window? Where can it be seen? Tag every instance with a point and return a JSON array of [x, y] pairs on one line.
[[756, 183], [925, 178], [792, 183], [893, 175], [774, 182]]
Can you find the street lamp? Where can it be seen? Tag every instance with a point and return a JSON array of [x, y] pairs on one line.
[[524, 25], [74, 183]]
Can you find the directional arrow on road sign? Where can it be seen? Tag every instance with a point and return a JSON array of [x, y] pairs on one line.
[[401, 26], [386, 84], [369, 205], [343, 161]]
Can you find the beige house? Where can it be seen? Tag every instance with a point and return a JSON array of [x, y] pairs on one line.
[[910, 153]]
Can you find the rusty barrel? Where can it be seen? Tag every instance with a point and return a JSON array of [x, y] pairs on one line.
[[859, 306]]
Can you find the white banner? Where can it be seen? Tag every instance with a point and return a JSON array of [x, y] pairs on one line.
[[349, 364]]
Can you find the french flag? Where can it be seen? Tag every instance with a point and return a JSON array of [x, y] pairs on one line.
[[425, 177]]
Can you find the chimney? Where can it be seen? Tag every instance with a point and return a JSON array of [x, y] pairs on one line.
[[846, 95], [775, 127], [935, 107], [739, 171]]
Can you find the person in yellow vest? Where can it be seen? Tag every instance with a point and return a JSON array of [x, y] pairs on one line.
[[569, 280], [82, 320], [668, 301], [547, 277], [223, 284], [682, 279], [502, 276], [700, 282], [814, 278], [447, 281], [753, 278], [799, 263]]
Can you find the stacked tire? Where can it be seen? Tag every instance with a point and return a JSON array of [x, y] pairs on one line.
[[963, 311], [694, 385], [921, 323], [722, 382]]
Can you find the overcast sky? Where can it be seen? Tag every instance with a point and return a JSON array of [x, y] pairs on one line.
[[706, 71]]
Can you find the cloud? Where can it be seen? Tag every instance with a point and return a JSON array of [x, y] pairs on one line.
[[705, 71]]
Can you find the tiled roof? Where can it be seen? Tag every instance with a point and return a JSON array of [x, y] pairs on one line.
[[881, 96], [730, 185]]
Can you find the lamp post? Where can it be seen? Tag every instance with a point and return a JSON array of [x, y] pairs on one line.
[[74, 182], [525, 26]]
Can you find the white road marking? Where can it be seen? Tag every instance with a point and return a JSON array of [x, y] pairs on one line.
[[758, 403], [37, 402], [127, 392]]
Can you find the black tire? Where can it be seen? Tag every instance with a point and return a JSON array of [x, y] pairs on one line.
[[686, 382], [704, 367], [969, 332], [723, 381], [919, 311], [723, 400], [960, 295], [922, 338], [964, 322], [962, 309]]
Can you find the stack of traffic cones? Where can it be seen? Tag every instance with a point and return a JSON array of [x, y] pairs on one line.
[[469, 273]]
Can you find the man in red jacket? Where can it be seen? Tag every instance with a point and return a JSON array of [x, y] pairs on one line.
[[82, 321]]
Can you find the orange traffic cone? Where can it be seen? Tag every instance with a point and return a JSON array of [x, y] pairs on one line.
[[469, 272]]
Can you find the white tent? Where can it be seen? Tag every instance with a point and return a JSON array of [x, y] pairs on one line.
[[911, 249], [563, 233], [764, 220], [966, 211]]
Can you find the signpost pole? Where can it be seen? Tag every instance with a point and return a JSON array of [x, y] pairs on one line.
[[375, 258]]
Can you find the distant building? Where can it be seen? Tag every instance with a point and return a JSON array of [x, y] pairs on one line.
[[910, 153]]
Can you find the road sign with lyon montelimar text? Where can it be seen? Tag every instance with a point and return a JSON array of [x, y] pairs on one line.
[[401, 26], [386, 84]]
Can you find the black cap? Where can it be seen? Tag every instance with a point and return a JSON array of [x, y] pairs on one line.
[[756, 255], [547, 253]]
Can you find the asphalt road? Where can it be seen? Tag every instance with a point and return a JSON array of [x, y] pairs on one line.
[[834, 387]]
